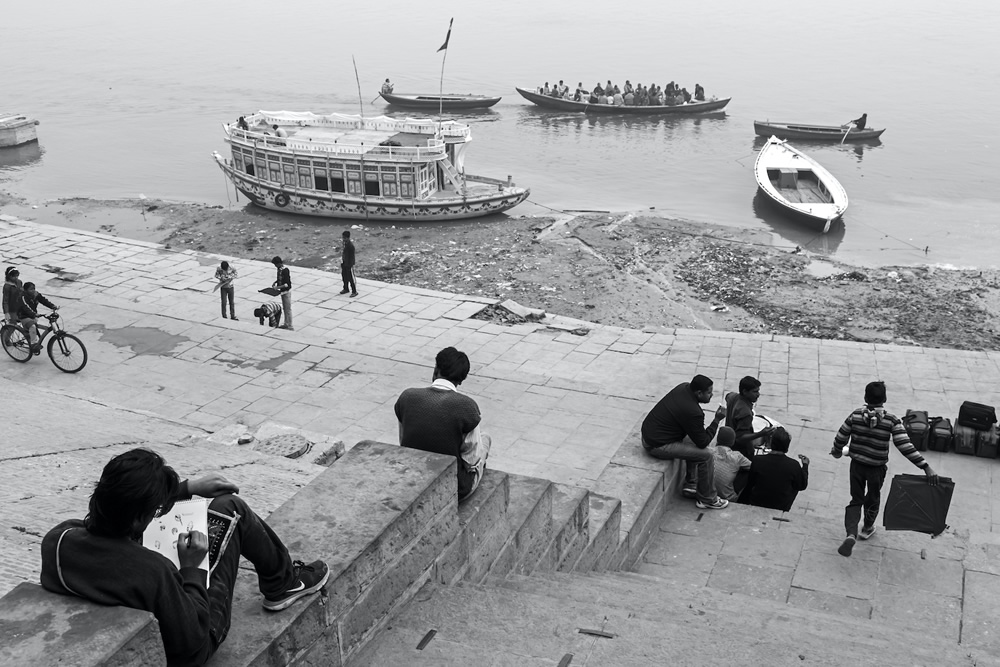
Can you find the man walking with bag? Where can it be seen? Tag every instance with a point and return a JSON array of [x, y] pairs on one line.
[[869, 429]]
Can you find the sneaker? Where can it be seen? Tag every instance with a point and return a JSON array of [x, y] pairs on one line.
[[866, 532], [235, 319], [310, 578], [344, 291], [690, 492], [36, 349], [847, 547], [354, 293], [719, 504]]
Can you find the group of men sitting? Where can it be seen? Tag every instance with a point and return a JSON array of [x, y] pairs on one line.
[[628, 95], [745, 465]]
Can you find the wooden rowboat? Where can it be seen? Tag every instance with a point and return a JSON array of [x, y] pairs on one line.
[[447, 102], [798, 184], [569, 105], [815, 132]]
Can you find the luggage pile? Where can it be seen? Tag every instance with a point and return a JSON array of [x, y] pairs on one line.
[[974, 432]]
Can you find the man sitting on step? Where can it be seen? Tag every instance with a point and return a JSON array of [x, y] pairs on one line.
[[442, 420], [102, 558], [675, 429]]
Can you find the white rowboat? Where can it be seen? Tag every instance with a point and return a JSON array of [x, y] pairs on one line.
[[799, 185]]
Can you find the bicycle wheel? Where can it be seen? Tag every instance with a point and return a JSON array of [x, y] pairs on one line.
[[15, 342], [68, 353]]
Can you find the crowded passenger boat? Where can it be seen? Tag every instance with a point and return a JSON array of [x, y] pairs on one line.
[[626, 95]]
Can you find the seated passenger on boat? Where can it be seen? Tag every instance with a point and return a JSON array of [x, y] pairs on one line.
[[699, 92], [686, 94], [563, 88], [629, 99], [580, 94], [545, 90], [603, 99], [279, 131], [860, 123], [242, 123], [387, 87], [628, 87], [618, 100]]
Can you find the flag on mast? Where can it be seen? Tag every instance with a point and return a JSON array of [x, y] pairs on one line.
[[444, 47]]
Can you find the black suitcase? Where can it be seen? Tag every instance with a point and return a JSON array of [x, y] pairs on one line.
[[977, 415], [915, 505], [941, 434], [917, 427]]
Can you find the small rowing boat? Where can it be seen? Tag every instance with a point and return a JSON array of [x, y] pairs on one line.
[[447, 102], [798, 184], [569, 105], [815, 132], [344, 166], [16, 129]]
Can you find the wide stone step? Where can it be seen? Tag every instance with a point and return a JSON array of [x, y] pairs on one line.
[[570, 526], [529, 519], [481, 623]]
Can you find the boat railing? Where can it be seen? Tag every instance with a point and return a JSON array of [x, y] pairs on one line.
[[449, 128], [434, 149]]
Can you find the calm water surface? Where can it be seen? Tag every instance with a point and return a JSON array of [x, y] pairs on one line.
[[131, 97]]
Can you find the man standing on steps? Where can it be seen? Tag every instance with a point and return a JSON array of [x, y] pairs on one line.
[[675, 429], [347, 265], [870, 429], [283, 283]]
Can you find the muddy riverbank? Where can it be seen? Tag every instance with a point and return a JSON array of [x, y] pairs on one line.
[[633, 270]]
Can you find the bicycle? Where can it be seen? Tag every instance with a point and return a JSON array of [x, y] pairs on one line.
[[66, 351]]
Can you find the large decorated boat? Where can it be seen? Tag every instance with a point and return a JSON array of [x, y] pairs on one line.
[[345, 166]]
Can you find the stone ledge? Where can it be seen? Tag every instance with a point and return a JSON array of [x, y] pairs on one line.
[[42, 628]]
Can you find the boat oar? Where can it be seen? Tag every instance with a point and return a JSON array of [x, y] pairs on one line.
[[376, 97], [845, 135]]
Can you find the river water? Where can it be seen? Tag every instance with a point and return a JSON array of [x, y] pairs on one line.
[[131, 96]]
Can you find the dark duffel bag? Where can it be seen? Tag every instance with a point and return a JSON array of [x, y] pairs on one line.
[[941, 434], [986, 443], [917, 427], [965, 440], [977, 415]]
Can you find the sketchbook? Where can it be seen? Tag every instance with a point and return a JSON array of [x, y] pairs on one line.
[[186, 515]]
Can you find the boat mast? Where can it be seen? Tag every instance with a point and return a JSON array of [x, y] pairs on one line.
[[361, 122]]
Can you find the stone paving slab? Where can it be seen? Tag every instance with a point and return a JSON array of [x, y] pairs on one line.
[[559, 405]]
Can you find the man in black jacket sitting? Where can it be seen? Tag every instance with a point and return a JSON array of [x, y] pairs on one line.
[[675, 429], [775, 480]]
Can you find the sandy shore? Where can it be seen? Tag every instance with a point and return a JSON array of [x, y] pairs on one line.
[[630, 269]]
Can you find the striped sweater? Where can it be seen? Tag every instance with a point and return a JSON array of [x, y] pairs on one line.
[[869, 430]]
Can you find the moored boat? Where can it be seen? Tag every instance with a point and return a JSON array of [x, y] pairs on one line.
[[16, 129], [550, 102], [345, 166], [447, 102], [798, 184], [836, 133]]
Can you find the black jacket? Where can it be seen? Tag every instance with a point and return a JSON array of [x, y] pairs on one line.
[[775, 480], [28, 305]]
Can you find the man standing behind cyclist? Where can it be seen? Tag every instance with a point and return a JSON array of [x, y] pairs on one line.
[[27, 313]]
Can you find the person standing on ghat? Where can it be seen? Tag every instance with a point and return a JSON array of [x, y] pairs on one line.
[[675, 429], [283, 283], [347, 265], [869, 429], [226, 274]]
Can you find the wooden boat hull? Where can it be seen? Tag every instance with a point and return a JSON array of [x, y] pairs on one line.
[[444, 102], [814, 132], [585, 107], [799, 185], [484, 197], [16, 130]]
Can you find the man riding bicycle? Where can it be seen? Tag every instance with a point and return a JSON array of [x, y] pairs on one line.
[[27, 313]]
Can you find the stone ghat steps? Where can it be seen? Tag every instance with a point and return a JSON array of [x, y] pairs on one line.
[[551, 619]]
